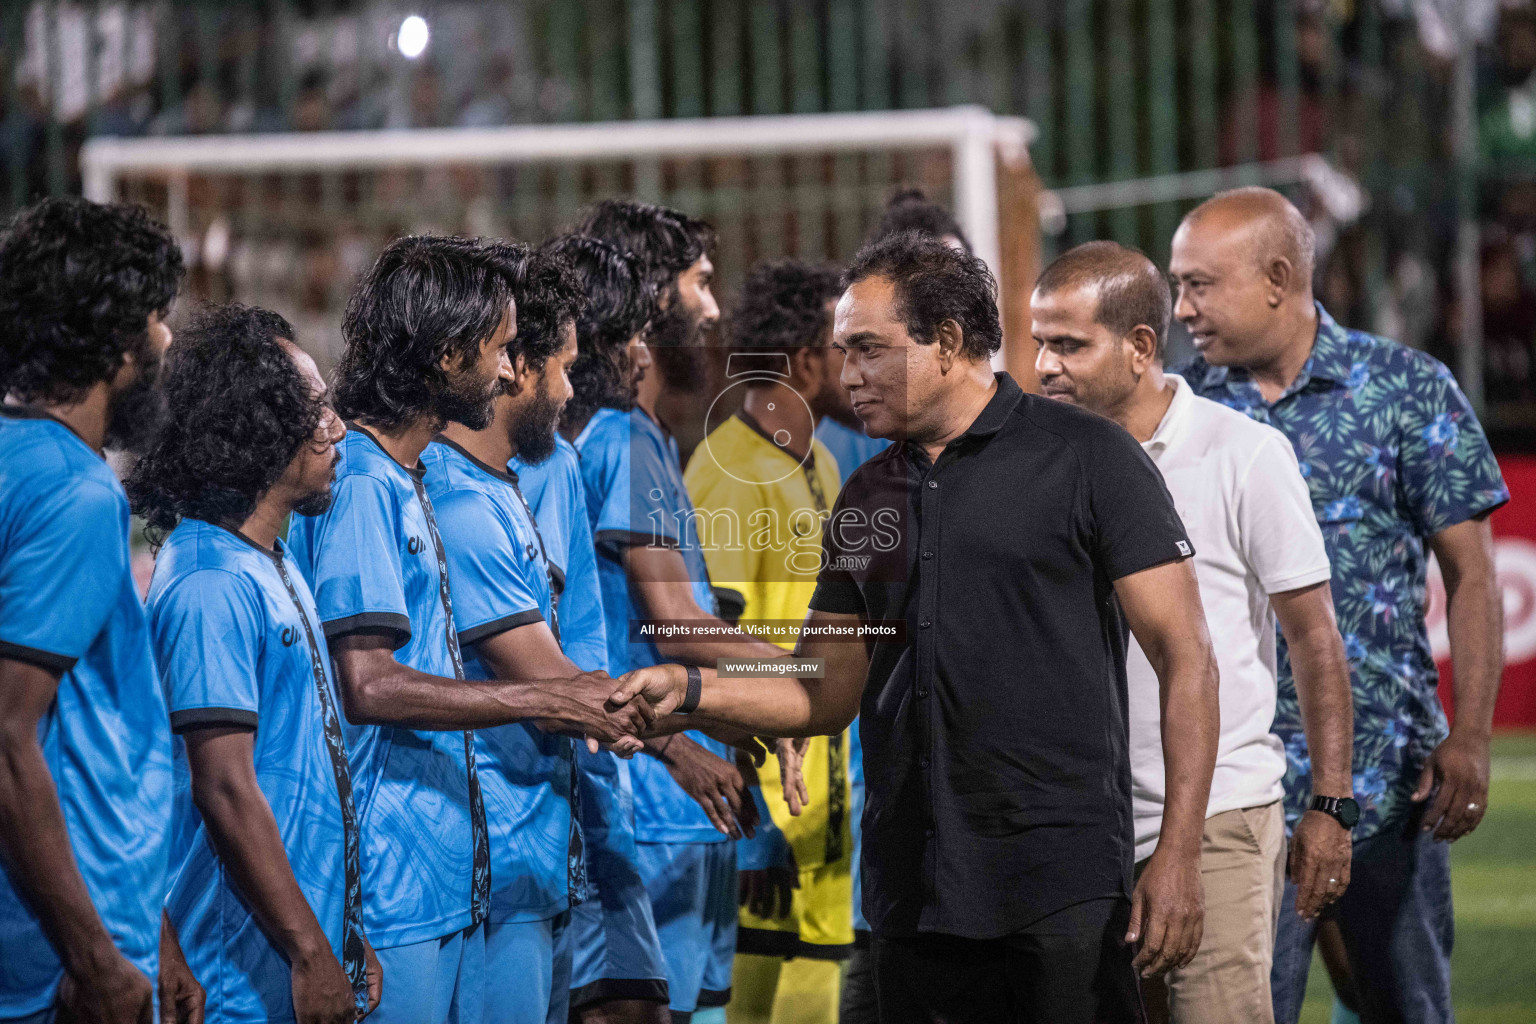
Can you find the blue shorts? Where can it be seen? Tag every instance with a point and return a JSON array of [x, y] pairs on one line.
[[615, 953], [527, 972], [439, 981], [694, 892]]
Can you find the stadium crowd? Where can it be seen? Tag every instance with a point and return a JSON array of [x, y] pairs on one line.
[[1145, 708]]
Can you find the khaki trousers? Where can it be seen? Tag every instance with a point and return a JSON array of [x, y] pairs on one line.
[[1242, 863]]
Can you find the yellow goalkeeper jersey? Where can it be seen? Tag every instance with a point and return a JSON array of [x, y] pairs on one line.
[[761, 515]]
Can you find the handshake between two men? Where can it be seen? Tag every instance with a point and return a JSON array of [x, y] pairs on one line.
[[619, 714]]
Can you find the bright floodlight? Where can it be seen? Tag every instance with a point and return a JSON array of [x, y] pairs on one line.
[[412, 37]]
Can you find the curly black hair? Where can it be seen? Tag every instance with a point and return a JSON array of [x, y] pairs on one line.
[[426, 296], [666, 241], [934, 283], [240, 409], [549, 296], [619, 303], [78, 281], [783, 306], [910, 209]]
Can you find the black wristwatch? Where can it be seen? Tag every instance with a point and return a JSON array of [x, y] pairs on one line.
[[1341, 809], [693, 693]]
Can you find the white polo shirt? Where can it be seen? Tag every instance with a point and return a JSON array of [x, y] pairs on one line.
[[1245, 506]]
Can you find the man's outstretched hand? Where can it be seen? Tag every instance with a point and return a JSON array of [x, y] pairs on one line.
[[585, 706], [661, 688]]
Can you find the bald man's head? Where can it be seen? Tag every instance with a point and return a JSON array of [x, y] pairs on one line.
[[1271, 224], [1242, 269]]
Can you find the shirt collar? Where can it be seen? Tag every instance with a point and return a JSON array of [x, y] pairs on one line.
[[1330, 359], [417, 472], [987, 422], [275, 552], [998, 408], [655, 421], [1176, 417], [751, 424], [34, 412], [506, 474]]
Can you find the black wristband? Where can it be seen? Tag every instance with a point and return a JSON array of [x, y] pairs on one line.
[[695, 691]]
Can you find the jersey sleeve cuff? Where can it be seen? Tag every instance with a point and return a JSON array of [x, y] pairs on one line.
[[188, 719], [33, 656], [1468, 512], [372, 622], [507, 622], [1149, 561], [837, 597], [1297, 580], [732, 602], [619, 539]]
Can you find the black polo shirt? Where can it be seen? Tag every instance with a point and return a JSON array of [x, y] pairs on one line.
[[998, 784]]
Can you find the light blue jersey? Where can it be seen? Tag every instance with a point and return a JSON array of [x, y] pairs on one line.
[[376, 563], [68, 604], [558, 497], [612, 938], [501, 581], [636, 496], [851, 448], [856, 821], [239, 643]]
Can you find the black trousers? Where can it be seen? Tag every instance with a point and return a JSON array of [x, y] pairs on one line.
[[1068, 968], [858, 1004]]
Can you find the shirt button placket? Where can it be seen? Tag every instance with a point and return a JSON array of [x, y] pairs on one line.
[[928, 594]]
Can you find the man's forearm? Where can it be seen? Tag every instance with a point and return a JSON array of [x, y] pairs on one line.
[[781, 707], [456, 704], [1321, 671], [1191, 727], [38, 858], [245, 836], [1475, 622], [656, 577], [396, 695]]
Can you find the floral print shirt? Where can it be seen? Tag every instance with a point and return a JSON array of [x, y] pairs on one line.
[[1393, 454]]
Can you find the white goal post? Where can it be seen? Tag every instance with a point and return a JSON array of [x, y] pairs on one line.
[[974, 136], [960, 154]]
